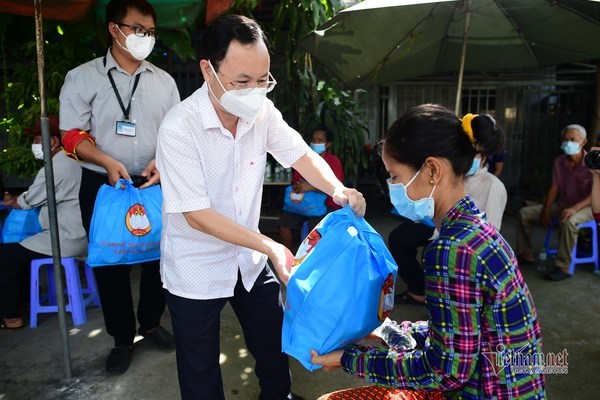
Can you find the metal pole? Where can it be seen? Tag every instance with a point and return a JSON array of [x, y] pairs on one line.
[[463, 56], [62, 320]]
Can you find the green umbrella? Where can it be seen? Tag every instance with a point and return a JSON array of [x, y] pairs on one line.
[[380, 41]]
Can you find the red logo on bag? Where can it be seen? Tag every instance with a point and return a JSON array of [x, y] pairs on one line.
[[386, 299], [137, 221], [307, 245]]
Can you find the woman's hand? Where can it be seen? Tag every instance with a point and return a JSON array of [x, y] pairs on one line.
[[9, 200], [329, 361]]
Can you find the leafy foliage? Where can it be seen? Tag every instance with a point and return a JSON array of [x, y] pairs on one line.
[[306, 95], [66, 45]]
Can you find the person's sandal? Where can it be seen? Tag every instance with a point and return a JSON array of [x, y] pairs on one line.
[[11, 323]]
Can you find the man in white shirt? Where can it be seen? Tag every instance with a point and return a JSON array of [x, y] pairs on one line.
[[211, 155]]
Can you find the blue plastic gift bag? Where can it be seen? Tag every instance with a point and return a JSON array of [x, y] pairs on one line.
[[309, 204], [21, 224], [341, 287], [126, 225]]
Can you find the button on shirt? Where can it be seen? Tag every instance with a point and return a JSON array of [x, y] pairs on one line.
[[203, 166], [88, 102]]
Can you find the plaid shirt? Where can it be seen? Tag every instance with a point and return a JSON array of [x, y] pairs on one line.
[[480, 313]]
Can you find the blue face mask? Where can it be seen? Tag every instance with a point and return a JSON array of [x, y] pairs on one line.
[[318, 147], [474, 167], [570, 148], [418, 211]]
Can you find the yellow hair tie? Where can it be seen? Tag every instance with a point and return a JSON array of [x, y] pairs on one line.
[[466, 125]]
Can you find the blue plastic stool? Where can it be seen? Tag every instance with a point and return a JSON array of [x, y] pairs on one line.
[[549, 251], [577, 258], [78, 297]]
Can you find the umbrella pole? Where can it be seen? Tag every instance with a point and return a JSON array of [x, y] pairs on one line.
[[463, 56], [52, 216]]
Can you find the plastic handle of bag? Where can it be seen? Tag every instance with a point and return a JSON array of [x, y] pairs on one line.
[[360, 222], [122, 182], [363, 229]]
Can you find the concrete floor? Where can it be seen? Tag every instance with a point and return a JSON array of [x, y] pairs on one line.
[[31, 364]]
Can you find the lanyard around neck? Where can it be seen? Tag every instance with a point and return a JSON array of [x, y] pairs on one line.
[[112, 82]]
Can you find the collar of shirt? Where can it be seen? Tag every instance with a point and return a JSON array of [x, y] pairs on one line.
[[464, 206], [481, 171], [564, 160], [112, 63]]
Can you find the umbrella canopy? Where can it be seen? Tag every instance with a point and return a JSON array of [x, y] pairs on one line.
[[60, 10], [379, 41]]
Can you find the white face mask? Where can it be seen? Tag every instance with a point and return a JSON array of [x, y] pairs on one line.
[[37, 151], [139, 47], [570, 148], [421, 210], [243, 103]]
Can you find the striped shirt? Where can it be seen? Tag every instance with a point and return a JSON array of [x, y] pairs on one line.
[[482, 321]]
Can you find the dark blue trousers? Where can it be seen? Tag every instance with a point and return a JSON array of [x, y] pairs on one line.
[[196, 325]]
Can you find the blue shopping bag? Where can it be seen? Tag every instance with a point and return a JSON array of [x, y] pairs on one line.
[[341, 287], [126, 225], [21, 224], [309, 204]]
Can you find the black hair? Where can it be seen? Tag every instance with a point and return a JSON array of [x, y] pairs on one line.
[[328, 133], [225, 29], [116, 10], [53, 125], [430, 130]]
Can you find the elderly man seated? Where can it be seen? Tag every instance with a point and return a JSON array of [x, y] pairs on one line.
[[568, 200]]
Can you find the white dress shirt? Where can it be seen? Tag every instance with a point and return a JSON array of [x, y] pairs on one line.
[[489, 195], [203, 166]]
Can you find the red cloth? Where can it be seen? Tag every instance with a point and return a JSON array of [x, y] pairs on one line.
[[380, 393], [336, 166], [72, 138], [574, 186]]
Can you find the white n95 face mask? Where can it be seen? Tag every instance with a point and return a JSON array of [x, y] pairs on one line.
[[139, 47], [243, 103]]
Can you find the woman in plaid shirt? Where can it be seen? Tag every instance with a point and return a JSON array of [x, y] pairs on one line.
[[482, 339]]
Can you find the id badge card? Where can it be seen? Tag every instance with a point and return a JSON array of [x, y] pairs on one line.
[[125, 128]]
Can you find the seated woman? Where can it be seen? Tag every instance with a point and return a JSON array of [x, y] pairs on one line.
[[480, 310], [73, 243]]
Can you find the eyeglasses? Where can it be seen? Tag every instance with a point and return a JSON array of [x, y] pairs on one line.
[[267, 84], [139, 31]]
